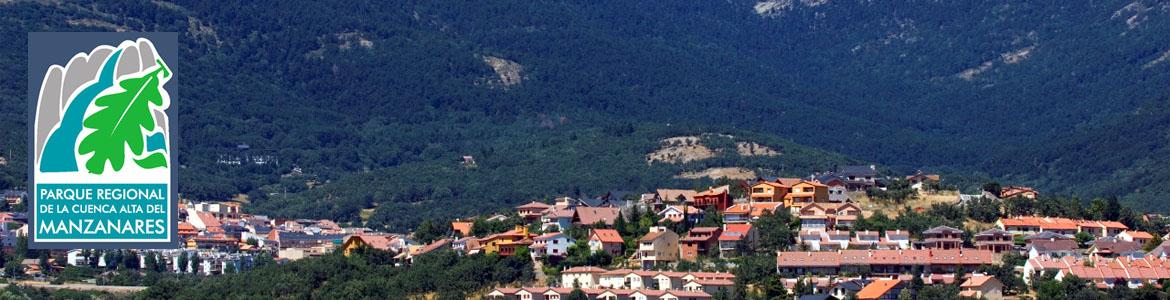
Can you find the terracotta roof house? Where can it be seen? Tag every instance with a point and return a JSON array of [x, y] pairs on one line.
[[532, 210], [842, 289], [1033, 225], [563, 293], [949, 261], [1113, 247], [658, 246], [463, 228], [1135, 236], [881, 289], [1048, 235], [749, 212], [587, 216], [942, 237], [1161, 251], [1053, 248], [982, 287], [607, 240], [1018, 191], [380, 242], [880, 261], [718, 197], [805, 193], [733, 235], [586, 277], [560, 219], [919, 179], [676, 214], [822, 216], [551, 244], [506, 243], [698, 242], [676, 195], [898, 236], [767, 191], [432, 247], [996, 240], [466, 245]]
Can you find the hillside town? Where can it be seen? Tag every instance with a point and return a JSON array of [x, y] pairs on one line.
[[825, 235]]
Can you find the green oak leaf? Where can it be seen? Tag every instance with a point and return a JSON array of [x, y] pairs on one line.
[[120, 123]]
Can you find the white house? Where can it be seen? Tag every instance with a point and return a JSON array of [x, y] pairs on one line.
[[581, 277], [550, 244]]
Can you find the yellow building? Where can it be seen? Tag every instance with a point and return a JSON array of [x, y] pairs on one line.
[[506, 241], [380, 242]]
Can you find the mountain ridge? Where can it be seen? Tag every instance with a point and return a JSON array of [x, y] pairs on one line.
[[341, 90]]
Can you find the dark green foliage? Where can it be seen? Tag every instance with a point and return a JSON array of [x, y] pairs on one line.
[[938, 292], [28, 292], [983, 209], [849, 76], [755, 268], [340, 277], [430, 231], [577, 294], [776, 230]]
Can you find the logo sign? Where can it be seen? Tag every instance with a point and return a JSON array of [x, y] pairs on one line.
[[101, 148]]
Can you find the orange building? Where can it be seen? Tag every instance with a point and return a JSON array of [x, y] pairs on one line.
[[806, 192]]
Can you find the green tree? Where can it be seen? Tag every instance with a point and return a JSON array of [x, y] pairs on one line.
[[939, 292], [14, 270], [43, 260], [906, 294], [22, 246], [150, 262], [196, 263], [184, 260], [1098, 209], [428, 232], [1152, 243], [993, 188], [775, 231], [1112, 209], [577, 294], [1083, 238]]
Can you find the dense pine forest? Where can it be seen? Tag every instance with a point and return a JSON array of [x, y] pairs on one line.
[[371, 106]]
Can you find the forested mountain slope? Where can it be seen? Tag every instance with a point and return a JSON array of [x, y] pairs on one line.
[[356, 92]]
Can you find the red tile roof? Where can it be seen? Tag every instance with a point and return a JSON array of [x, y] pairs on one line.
[[606, 236], [534, 205], [590, 215], [808, 259], [735, 232], [877, 289], [585, 269], [715, 191], [1139, 234], [380, 242]]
